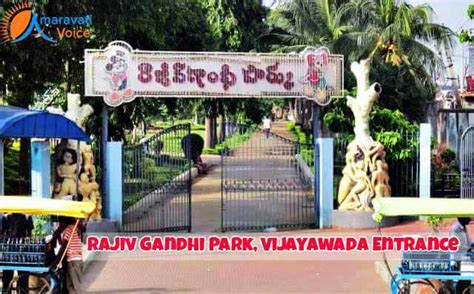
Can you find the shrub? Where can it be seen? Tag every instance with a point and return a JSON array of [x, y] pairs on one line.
[[290, 125]]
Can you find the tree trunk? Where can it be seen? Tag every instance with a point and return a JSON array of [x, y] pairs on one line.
[[220, 129], [134, 133], [307, 113], [291, 109], [196, 118], [144, 128], [208, 132], [214, 132]]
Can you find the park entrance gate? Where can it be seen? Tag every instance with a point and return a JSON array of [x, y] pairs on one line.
[[157, 182], [266, 182], [467, 163]]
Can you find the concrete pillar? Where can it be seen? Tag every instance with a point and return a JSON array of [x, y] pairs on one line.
[[326, 179], [40, 169], [425, 161], [114, 179]]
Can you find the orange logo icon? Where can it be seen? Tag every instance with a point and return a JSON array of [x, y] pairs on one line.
[[19, 22]]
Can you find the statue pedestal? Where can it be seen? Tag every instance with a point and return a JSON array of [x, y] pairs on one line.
[[359, 220]]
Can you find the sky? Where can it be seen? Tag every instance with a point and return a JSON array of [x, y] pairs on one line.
[[452, 13]]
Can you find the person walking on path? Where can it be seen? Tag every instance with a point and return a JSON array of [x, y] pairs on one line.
[[267, 124]]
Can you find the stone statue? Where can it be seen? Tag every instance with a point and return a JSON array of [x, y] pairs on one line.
[[366, 173], [66, 180], [88, 187]]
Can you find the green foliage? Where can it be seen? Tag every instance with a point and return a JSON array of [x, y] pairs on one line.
[[444, 163], [299, 135], [434, 222], [308, 157], [39, 225], [470, 11], [306, 149], [465, 37], [389, 127], [231, 143], [290, 125], [358, 29], [235, 24]]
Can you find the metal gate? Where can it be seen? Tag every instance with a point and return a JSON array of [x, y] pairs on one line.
[[266, 182], [467, 163], [157, 182]]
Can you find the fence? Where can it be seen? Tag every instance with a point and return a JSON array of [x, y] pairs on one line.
[[264, 182], [157, 182]]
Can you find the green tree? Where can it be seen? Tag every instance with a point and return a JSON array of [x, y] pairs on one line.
[[30, 67], [394, 34], [235, 26]]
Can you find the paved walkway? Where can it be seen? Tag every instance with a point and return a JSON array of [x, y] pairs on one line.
[[206, 198], [280, 128], [262, 160], [142, 276]]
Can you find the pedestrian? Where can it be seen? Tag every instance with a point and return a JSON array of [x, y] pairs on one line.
[[459, 230], [267, 124], [74, 262], [16, 225]]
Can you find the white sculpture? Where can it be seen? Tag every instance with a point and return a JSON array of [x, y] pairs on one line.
[[366, 173]]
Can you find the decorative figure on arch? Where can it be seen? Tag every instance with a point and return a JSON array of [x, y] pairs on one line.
[[117, 76], [314, 82]]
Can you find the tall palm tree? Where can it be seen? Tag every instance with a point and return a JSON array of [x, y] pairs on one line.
[[393, 29], [300, 23], [402, 33]]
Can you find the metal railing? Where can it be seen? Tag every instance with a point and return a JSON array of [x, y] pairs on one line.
[[404, 170], [264, 184], [157, 182], [467, 163]]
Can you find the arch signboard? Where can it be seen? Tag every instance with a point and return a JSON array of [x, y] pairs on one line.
[[120, 74]]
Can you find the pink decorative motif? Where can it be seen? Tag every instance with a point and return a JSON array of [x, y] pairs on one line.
[[117, 75], [315, 84]]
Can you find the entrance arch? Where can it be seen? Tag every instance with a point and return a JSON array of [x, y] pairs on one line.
[[120, 74]]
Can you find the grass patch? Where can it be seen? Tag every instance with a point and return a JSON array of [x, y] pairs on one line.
[[306, 148], [230, 143], [139, 181]]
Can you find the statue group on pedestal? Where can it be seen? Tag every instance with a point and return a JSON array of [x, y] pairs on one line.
[[365, 175], [76, 175]]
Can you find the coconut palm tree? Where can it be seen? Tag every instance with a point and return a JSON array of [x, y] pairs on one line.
[[402, 33], [301, 23], [394, 30], [397, 36]]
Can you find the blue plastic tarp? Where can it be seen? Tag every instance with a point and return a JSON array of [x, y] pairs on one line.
[[23, 123]]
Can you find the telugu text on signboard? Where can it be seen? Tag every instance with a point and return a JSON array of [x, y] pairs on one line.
[[120, 74]]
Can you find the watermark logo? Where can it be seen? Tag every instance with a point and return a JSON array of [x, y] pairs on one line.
[[22, 20]]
